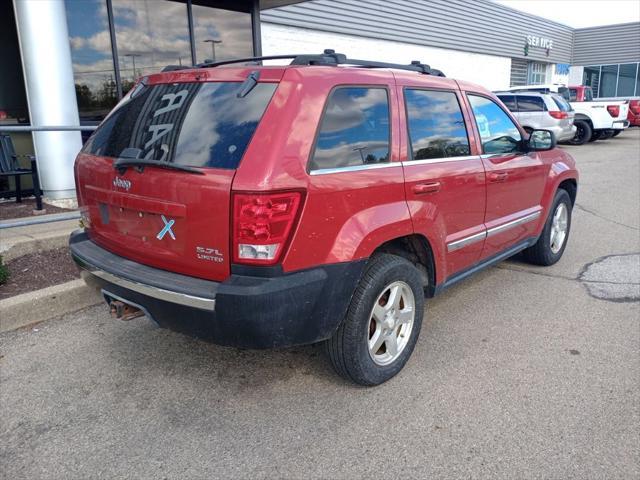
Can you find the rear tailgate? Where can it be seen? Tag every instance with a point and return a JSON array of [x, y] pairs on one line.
[[165, 216]]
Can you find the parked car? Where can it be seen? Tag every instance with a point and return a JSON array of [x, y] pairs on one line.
[[593, 119], [583, 93], [269, 206], [536, 111]]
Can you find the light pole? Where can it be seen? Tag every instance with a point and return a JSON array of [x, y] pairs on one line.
[[133, 59], [213, 47]]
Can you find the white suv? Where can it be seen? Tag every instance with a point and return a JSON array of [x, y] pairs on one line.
[[535, 111]]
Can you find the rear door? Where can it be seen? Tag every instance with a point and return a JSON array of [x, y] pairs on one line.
[[531, 111], [156, 212], [444, 182]]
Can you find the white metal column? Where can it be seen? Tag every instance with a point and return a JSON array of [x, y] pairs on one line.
[[48, 74]]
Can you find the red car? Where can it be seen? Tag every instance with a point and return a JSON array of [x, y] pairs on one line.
[[269, 206]]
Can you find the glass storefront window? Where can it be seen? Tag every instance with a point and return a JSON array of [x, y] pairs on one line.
[[150, 34], [221, 34], [627, 80], [608, 78], [92, 59], [591, 78]]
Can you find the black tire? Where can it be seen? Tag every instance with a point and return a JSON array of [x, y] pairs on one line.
[[348, 348], [606, 134], [616, 133], [595, 135], [541, 252], [583, 133]]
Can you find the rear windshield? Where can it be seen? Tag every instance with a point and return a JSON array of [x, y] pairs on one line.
[[562, 104], [192, 124]]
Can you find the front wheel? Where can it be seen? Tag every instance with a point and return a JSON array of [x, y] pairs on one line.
[[382, 325], [553, 240]]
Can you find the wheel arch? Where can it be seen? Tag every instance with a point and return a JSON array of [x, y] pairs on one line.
[[417, 249]]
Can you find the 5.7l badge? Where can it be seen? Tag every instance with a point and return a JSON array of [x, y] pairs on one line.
[[209, 254]]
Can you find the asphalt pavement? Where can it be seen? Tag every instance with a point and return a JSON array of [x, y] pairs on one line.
[[520, 372]]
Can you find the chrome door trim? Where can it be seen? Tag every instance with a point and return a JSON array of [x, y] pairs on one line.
[[512, 223], [463, 242], [478, 237], [353, 168], [428, 161]]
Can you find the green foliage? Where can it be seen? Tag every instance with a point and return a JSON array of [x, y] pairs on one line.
[[4, 272]]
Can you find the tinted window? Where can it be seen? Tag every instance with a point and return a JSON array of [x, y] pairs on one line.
[[588, 95], [498, 133], [436, 125], [354, 129], [562, 104], [530, 104], [509, 101], [196, 124], [573, 94]]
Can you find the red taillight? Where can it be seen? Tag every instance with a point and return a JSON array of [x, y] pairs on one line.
[[634, 106], [558, 114], [614, 110], [262, 224]]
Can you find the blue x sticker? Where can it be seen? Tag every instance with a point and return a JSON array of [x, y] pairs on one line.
[[166, 229]]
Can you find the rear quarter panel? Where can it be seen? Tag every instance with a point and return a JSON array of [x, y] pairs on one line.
[[345, 215]]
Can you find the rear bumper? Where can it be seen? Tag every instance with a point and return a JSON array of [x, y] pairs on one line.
[[243, 311], [620, 124], [563, 133]]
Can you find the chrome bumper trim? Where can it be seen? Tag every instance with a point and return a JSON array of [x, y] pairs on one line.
[[154, 292]]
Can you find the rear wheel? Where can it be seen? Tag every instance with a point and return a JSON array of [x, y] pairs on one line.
[[606, 134], [616, 133], [553, 240], [382, 325], [583, 133], [595, 135]]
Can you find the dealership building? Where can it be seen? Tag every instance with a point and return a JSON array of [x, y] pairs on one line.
[[67, 62]]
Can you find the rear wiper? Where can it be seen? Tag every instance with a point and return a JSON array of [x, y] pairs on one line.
[[123, 163], [249, 84]]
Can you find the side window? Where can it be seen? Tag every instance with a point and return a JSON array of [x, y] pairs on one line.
[[354, 130], [498, 133], [573, 94], [529, 103], [509, 102], [436, 125]]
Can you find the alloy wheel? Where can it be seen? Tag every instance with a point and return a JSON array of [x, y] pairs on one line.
[[390, 323]]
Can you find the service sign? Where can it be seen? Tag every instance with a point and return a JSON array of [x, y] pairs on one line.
[[537, 41]]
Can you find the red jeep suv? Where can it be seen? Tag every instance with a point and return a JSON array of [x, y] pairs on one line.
[[269, 206]]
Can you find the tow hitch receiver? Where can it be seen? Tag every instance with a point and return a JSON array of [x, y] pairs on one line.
[[124, 311]]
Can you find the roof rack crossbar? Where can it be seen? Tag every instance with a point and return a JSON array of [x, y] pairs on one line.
[[328, 57]]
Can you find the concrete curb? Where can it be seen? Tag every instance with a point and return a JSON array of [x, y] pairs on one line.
[[15, 242], [50, 302]]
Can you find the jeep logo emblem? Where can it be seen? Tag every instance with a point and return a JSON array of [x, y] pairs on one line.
[[122, 183]]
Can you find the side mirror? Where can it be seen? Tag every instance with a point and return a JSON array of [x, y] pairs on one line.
[[541, 140]]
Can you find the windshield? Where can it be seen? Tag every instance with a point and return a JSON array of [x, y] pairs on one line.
[[192, 124]]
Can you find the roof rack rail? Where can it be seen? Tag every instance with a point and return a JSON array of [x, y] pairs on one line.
[[328, 57]]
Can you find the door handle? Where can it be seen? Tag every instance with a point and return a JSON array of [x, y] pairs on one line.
[[498, 177], [422, 188]]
